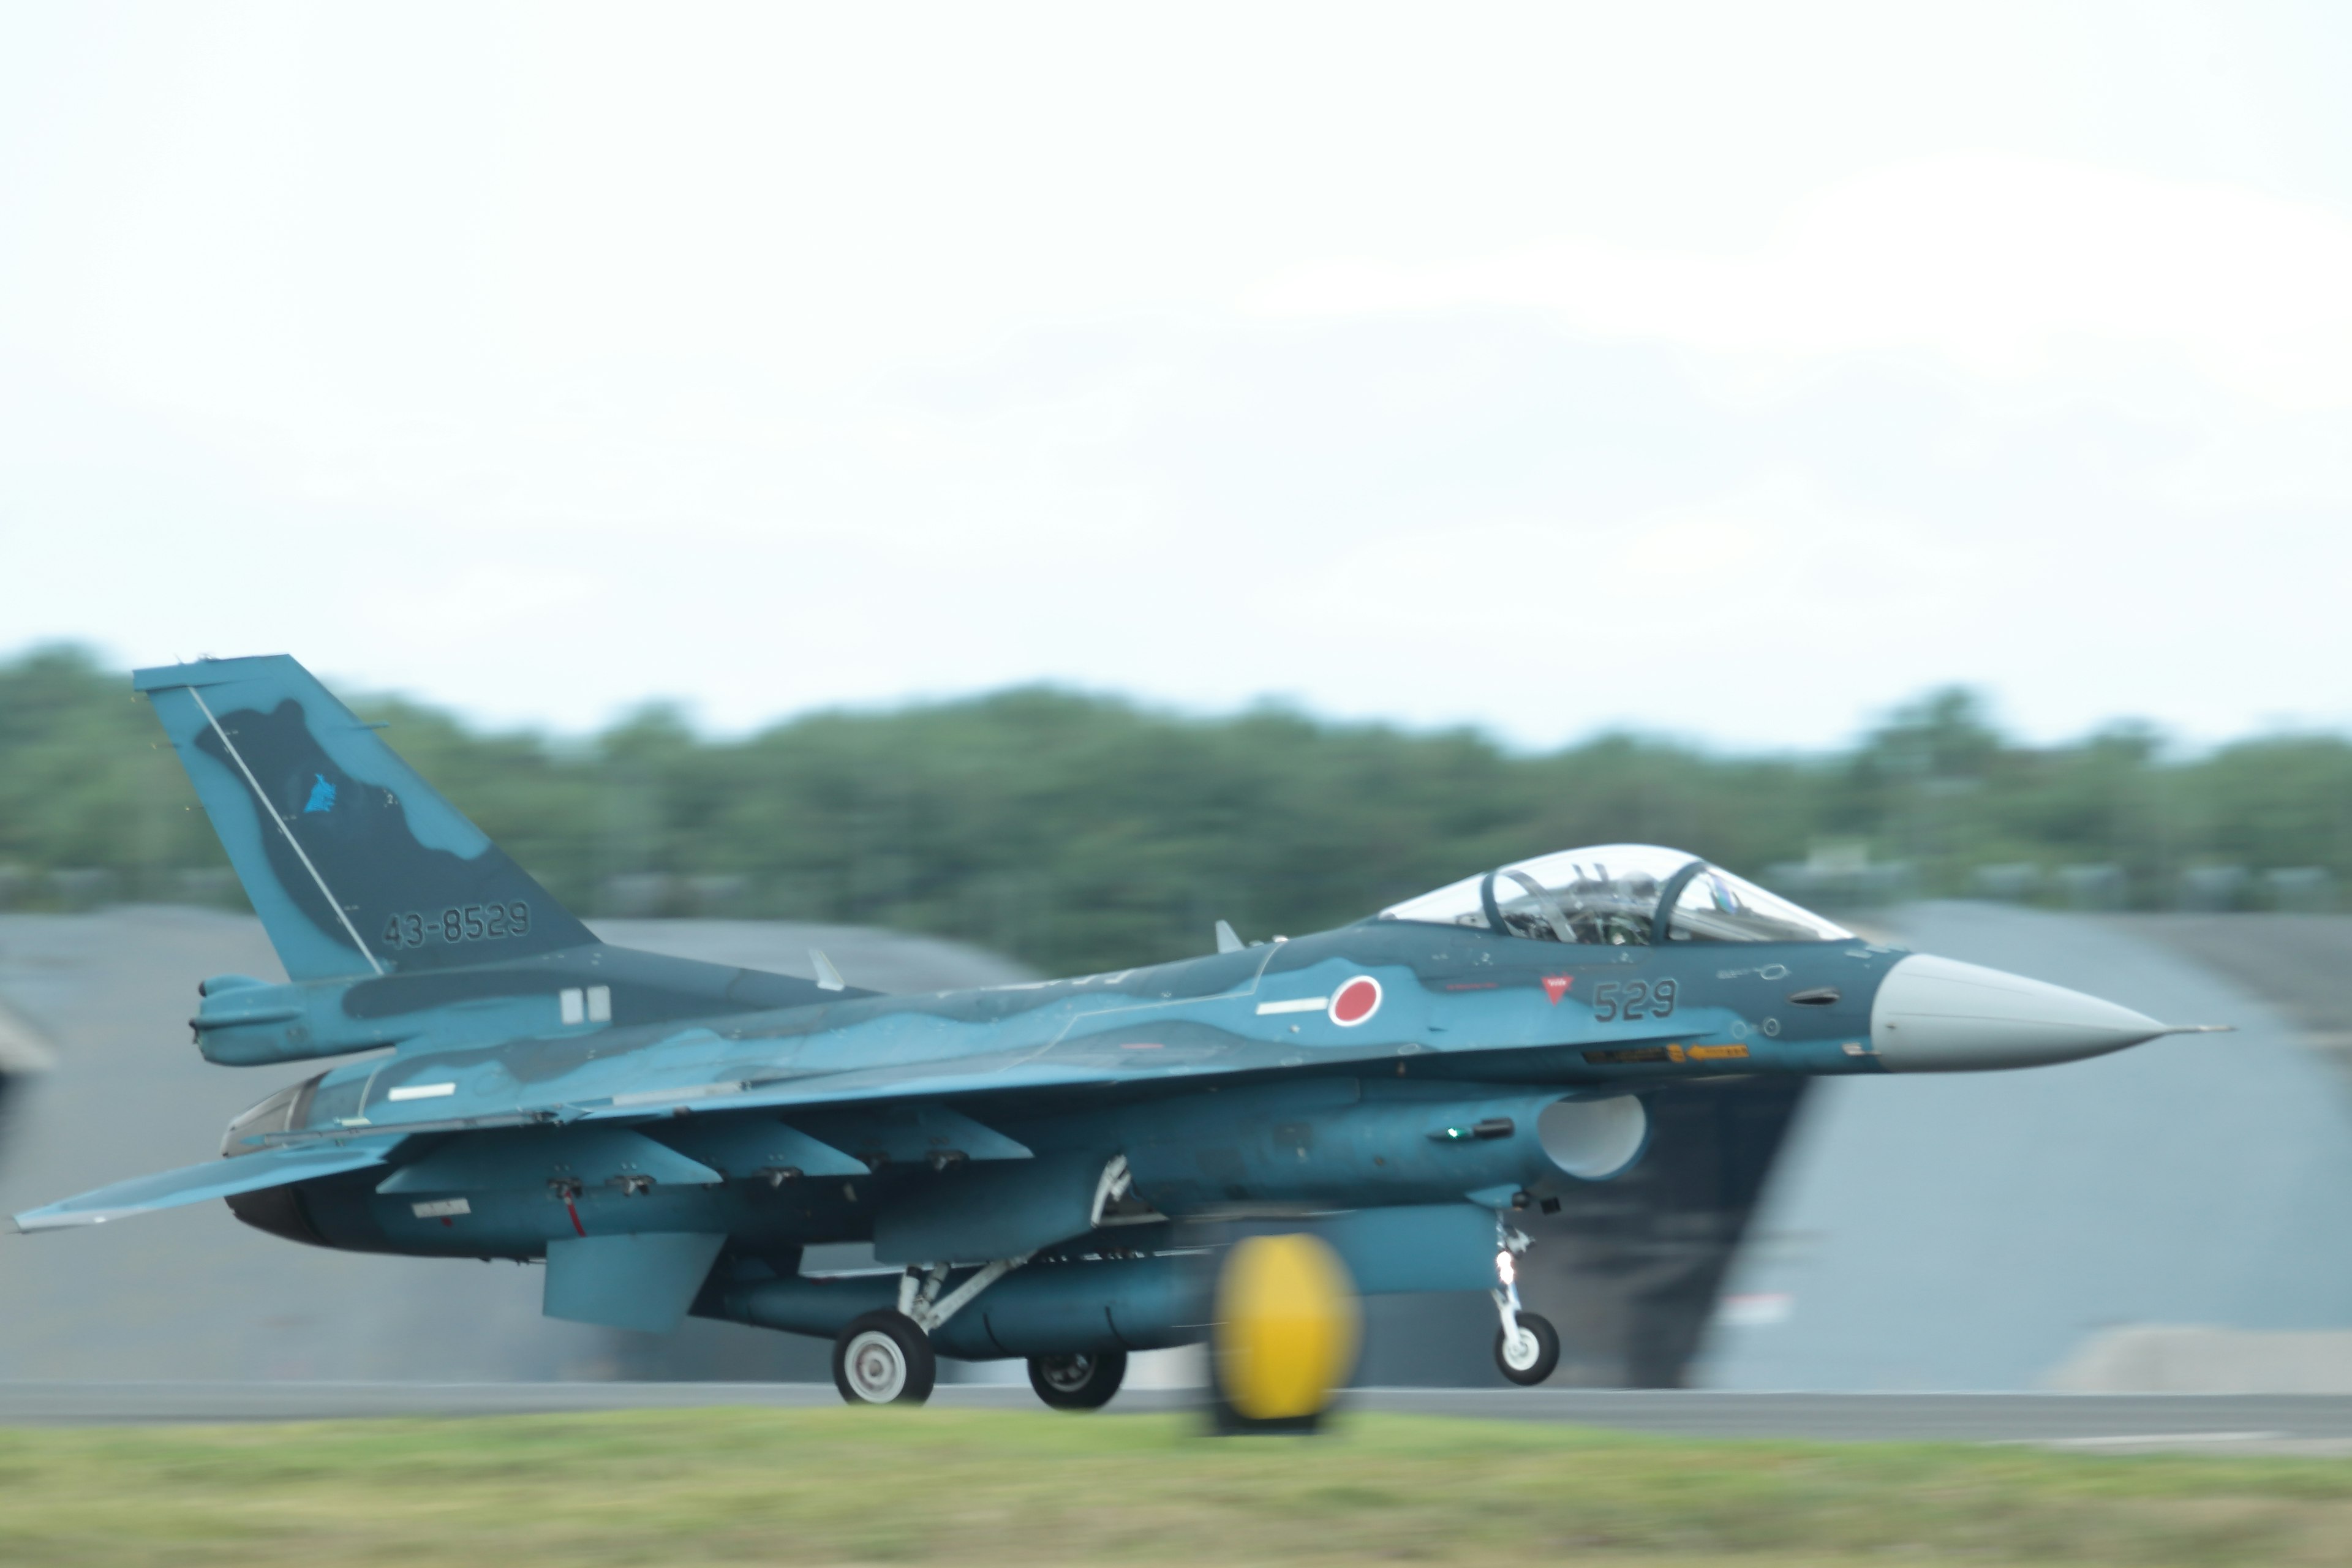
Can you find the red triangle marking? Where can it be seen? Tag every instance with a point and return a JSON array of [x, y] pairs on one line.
[[1556, 986]]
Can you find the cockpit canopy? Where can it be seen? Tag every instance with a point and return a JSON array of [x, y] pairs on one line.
[[1618, 895]]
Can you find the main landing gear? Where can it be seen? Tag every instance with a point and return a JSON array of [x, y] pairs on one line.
[[1527, 1347], [1084, 1380], [882, 1358], [886, 1357]]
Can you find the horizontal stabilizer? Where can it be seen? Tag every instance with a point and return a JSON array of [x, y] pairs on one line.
[[213, 1179]]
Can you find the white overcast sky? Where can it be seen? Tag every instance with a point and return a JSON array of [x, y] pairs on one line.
[[1733, 370]]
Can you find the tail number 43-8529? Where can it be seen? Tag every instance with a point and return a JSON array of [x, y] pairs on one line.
[[467, 922]]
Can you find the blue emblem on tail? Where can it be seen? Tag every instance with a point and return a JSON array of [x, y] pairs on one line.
[[322, 795]]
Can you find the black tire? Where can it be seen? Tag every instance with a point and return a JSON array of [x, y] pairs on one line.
[[1084, 1380], [882, 1358], [1546, 1351]]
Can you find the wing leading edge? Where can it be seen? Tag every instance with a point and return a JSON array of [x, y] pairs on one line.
[[198, 1184]]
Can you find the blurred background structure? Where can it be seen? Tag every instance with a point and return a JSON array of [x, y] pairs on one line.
[[24, 1054], [2168, 1218]]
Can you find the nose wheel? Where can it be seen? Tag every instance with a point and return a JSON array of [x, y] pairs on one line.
[[883, 1358], [1531, 1354], [1527, 1347], [1081, 1381]]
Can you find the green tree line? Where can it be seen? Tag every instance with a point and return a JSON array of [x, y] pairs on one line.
[[1078, 831]]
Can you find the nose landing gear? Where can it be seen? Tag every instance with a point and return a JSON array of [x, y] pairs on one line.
[[1530, 1355], [1527, 1348]]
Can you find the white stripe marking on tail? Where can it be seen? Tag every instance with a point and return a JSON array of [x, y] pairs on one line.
[[324, 891]]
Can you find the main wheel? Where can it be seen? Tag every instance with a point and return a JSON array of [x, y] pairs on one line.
[[883, 1358], [1529, 1356], [1082, 1382]]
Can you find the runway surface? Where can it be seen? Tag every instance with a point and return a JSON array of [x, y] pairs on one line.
[[2247, 1423]]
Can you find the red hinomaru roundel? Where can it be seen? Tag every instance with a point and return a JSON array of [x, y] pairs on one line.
[[1356, 1001]]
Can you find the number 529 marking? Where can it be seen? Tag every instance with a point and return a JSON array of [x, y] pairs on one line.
[[1615, 999]]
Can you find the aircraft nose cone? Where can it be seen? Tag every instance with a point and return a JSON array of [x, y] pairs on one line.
[[1935, 1014]]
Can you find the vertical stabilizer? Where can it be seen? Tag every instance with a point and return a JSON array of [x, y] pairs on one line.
[[353, 863]]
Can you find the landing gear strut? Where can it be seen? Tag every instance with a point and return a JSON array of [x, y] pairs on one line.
[[1084, 1380], [1526, 1349], [886, 1357]]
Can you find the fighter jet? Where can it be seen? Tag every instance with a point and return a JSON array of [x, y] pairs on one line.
[[1035, 1165]]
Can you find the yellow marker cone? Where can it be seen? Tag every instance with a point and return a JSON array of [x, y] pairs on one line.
[[1287, 1327]]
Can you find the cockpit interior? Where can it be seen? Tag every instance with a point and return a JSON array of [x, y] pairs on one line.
[[1618, 895]]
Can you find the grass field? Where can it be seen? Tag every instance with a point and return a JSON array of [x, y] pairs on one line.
[[967, 1487]]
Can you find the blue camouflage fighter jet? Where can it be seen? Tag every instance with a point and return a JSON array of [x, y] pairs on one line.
[[1034, 1164]]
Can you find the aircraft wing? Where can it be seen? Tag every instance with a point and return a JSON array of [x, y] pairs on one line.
[[914, 1081], [1174, 1061], [213, 1179]]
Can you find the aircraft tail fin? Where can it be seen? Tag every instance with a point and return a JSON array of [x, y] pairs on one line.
[[354, 864]]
